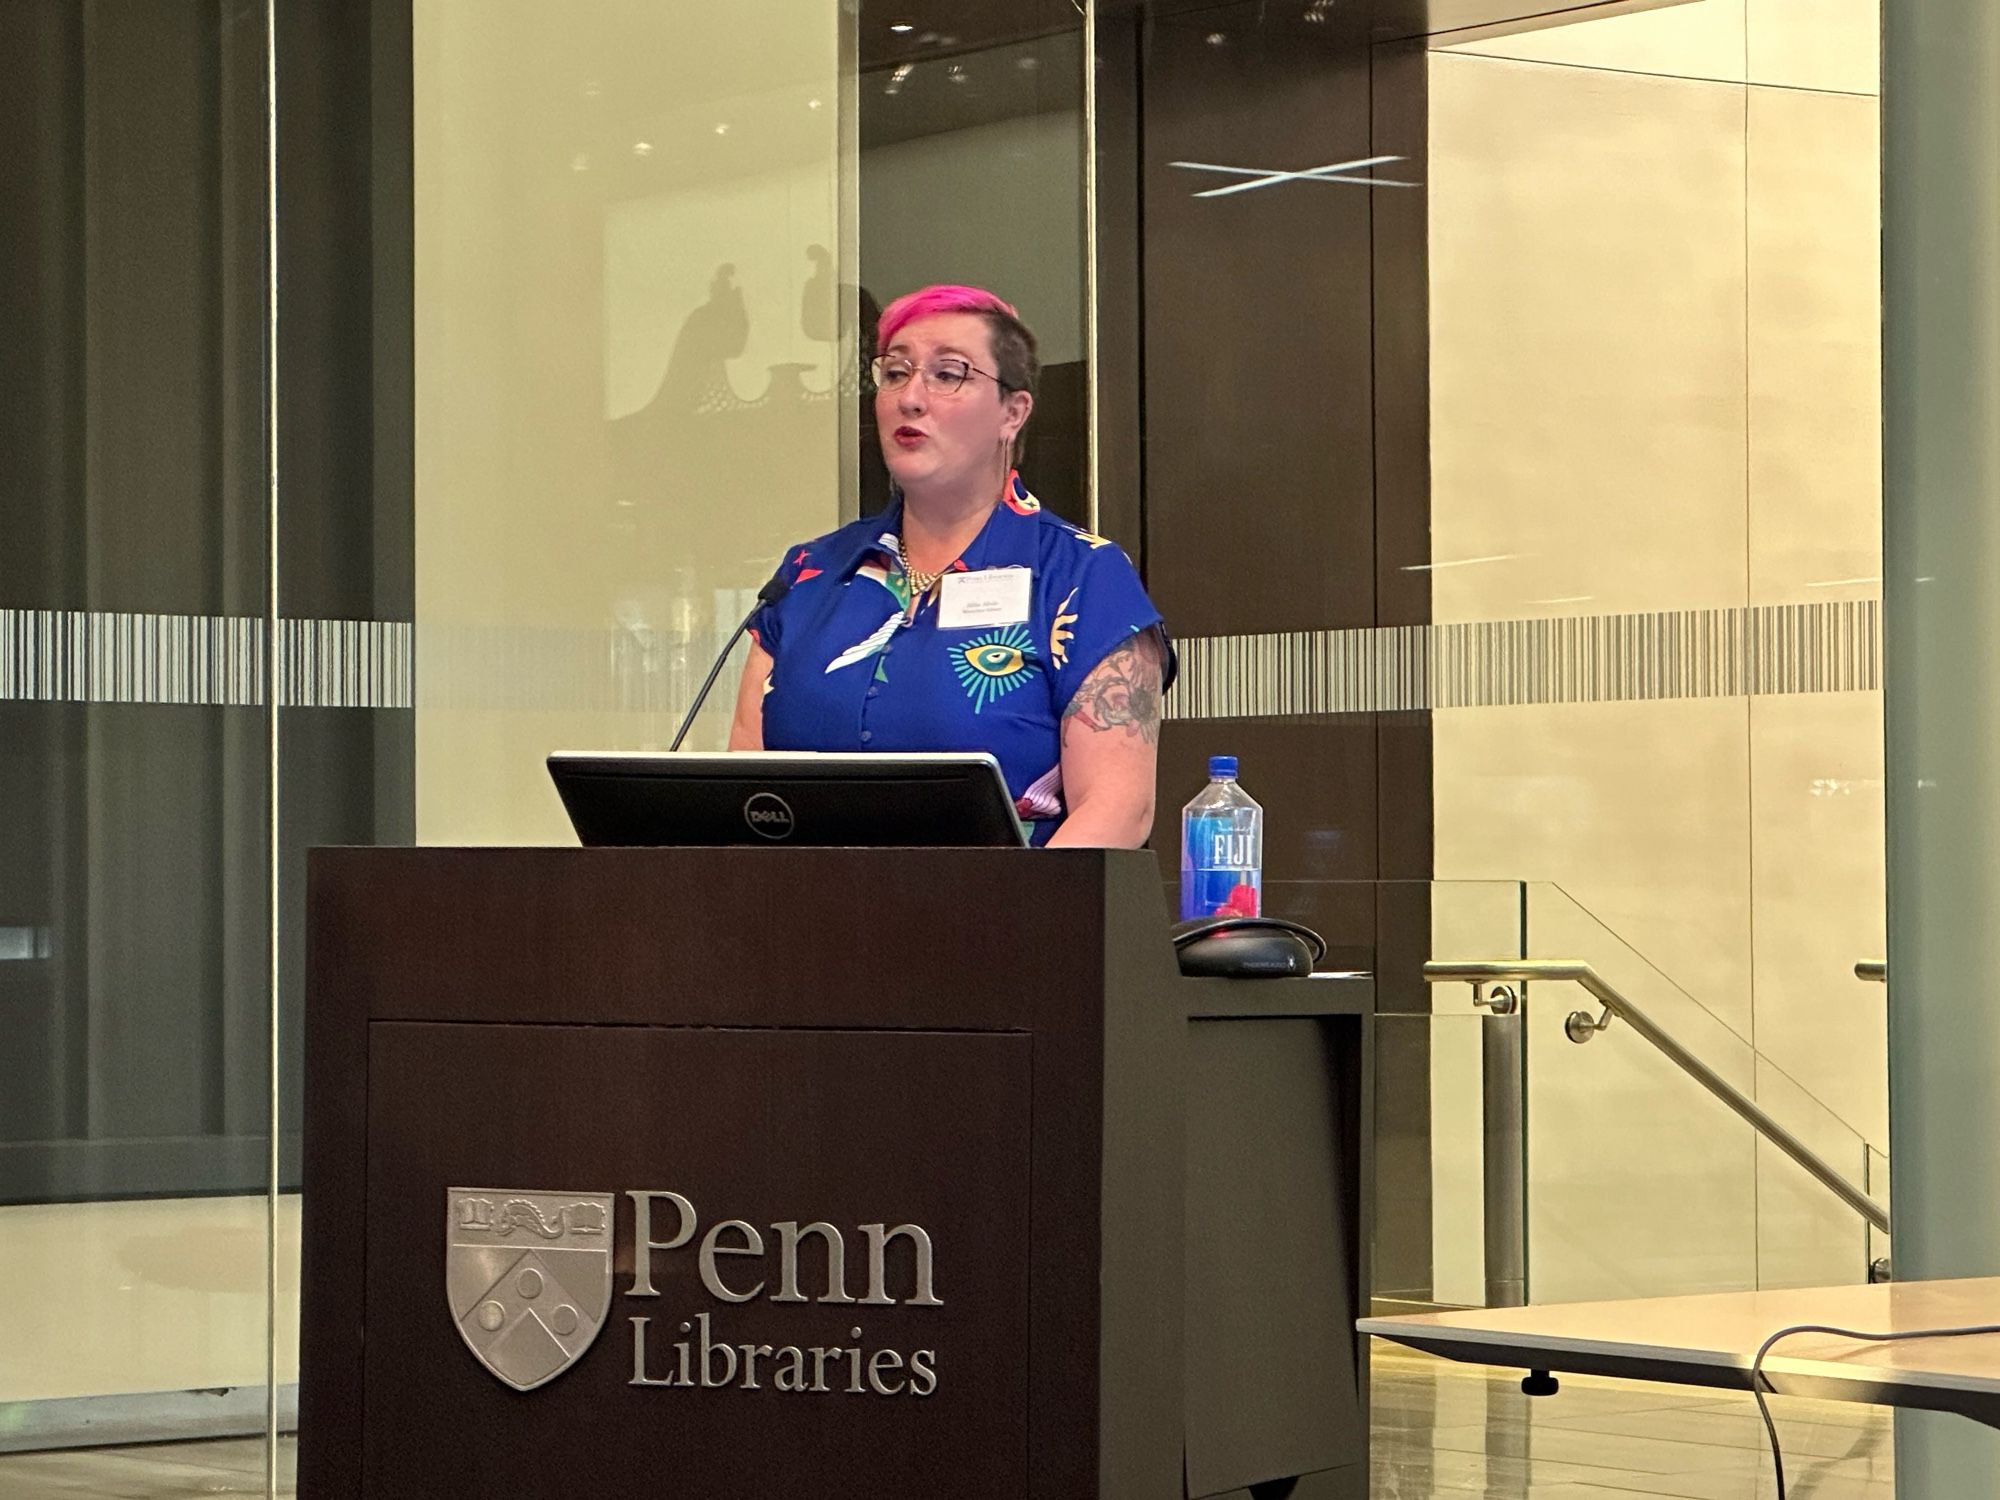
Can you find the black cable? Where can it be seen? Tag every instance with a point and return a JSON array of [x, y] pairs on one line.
[[1759, 1382], [774, 589]]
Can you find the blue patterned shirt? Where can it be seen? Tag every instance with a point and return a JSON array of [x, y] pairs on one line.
[[852, 671]]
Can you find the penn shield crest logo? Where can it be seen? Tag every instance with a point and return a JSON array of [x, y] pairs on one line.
[[528, 1277]]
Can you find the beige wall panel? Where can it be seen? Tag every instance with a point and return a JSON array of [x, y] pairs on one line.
[[1616, 1219], [1815, 346], [1818, 887], [1640, 811], [1664, 1200], [626, 359], [1639, 1183], [489, 776], [1655, 385], [112, 1299], [1817, 44], [1472, 919], [1805, 1235], [1698, 39], [1587, 304], [1804, 44]]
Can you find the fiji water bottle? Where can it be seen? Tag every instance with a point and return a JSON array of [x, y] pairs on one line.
[[1222, 847]]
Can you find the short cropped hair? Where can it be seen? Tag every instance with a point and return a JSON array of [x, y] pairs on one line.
[[1015, 358]]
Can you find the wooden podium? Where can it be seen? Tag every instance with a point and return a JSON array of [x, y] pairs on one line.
[[819, 1171]]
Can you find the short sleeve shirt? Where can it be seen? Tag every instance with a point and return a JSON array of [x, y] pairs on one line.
[[853, 670]]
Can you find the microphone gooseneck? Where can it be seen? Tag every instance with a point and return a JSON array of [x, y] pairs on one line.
[[774, 589]]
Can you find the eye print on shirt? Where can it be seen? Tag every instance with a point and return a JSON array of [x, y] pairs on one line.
[[992, 665]]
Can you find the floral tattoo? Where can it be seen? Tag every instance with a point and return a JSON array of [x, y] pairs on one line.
[[1122, 691]]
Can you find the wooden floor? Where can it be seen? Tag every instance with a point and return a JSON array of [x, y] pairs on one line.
[[1448, 1430]]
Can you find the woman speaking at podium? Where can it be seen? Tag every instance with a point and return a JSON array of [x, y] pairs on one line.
[[966, 617]]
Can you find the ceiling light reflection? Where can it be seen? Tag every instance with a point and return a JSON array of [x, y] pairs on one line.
[[1459, 562], [1340, 171]]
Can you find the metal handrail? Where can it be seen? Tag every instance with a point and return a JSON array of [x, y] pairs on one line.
[[1479, 972], [1873, 969]]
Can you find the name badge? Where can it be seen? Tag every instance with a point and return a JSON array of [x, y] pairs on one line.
[[991, 596]]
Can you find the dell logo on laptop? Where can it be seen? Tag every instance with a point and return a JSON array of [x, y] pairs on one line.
[[768, 815]]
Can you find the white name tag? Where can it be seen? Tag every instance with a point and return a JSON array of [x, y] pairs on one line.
[[992, 596]]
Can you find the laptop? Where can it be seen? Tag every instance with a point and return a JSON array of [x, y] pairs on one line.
[[786, 797]]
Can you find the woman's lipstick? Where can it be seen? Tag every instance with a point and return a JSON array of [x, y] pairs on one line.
[[908, 437]]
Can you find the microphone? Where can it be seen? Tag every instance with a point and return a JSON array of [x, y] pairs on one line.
[[770, 593]]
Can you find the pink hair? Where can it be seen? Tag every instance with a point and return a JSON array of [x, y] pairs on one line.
[[936, 299]]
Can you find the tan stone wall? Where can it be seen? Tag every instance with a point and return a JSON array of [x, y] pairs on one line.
[[1654, 307]]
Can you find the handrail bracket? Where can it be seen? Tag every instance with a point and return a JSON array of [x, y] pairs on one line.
[[1580, 1028]]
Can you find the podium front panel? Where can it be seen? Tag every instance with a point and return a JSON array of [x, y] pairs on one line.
[[781, 1350], [976, 1052]]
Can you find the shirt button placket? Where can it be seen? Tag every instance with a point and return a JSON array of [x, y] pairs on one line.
[[874, 689]]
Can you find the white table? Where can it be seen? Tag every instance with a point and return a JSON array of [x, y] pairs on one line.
[[1710, 1340]]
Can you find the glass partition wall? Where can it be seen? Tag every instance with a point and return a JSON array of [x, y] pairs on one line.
[[557, 337], [137, 1222], [1655, 537], [1493, 417], [1505, 444], [636, 370], [650, 246]]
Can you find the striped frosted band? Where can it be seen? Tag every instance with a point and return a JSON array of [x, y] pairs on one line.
[[1824, 647], [76, 657], [70, 656], [347, 664]]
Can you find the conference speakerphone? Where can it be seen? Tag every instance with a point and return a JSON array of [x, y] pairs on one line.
[[786, 797]]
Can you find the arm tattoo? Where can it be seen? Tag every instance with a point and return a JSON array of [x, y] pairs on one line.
[[1123, 690]]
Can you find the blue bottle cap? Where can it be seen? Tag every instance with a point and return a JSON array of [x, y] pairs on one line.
[[1221, 765]]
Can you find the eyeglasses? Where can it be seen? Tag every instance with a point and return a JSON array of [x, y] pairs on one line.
[[942, 377]]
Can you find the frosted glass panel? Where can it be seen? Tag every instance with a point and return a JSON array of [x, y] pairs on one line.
[[635, 362]]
